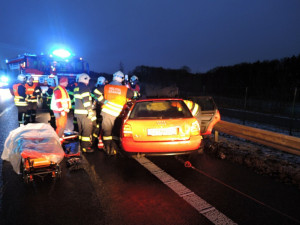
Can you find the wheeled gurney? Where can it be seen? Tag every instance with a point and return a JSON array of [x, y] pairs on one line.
[[34, 150]]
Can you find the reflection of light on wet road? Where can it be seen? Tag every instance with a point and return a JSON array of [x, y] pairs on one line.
[[5, 95], [6, 110], [204, 208]]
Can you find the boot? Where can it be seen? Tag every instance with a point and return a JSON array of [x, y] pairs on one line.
[[107, 147]]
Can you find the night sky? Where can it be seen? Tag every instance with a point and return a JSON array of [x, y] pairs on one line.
[[200, 34]]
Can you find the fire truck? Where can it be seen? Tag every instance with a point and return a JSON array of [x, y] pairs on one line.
[[48, 68]]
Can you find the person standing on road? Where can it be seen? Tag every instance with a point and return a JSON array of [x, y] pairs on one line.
[[61, 104], [98, 100], [84, 113], [115, 95], [70, 90], [33, 92], [19, 92], [47, 97], [133, 84]]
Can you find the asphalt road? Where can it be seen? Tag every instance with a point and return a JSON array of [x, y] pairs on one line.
[[151, 190]]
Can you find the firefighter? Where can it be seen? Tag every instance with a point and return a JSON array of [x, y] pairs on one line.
[[70, 89], [134, 83], [115, 95], [61, 104], [83, 112], [195, 109], [98, 100], [19, 92], [47, 96], [33, 92]]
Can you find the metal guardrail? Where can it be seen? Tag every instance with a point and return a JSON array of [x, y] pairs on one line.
[[279, 141]]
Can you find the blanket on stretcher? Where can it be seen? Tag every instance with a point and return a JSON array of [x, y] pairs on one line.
[[35, 140]]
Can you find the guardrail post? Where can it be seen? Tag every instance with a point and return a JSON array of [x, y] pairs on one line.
[[293, 111], [216, 136], [245, 105]]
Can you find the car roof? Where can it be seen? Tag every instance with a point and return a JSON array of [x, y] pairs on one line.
[[159, 99]]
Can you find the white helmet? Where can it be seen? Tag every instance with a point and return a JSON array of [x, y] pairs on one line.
[[21, 78], [101, 81], [134, 80], [84, 78], [118, 74], [30, 79]]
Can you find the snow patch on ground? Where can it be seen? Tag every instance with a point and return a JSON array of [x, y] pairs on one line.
[[283, 166]]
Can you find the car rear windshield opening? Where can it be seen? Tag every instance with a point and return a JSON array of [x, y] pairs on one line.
[[165, 109]]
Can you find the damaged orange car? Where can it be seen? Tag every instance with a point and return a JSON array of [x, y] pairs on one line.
[[160, 126]]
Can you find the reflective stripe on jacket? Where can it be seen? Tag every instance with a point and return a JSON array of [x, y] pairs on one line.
[[193, 107], [83, 99], [97, 93], [116, 97], [60, 100], [19, 98]]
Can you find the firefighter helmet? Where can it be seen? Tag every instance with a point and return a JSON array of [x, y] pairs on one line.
[[118, 74], [101, 81], [30, 79], [21, 78], [133, 80], [84, 78]]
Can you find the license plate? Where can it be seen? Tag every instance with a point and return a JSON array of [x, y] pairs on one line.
[[162, 131]]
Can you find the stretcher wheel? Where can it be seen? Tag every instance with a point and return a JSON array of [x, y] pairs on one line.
[[56, 174], [27, 178]]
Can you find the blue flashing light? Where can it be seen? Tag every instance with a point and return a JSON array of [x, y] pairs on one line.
[[4, 79], [62, 53], [6, 60]]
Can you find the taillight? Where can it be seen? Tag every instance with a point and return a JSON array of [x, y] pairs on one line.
[[195, 128], [127, 131]]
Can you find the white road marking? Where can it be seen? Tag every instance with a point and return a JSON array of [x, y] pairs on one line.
[[204, 208], [5, 110]]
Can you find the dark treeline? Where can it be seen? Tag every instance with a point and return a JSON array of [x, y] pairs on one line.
[[273, 80], [266, 80]]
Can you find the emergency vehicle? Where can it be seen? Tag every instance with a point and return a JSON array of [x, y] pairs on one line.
[[48, 68]]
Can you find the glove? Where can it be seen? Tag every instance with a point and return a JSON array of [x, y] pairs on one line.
[[91, 114], [63, 113]]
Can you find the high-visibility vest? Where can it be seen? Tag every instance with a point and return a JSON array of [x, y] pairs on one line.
[[30, 91], [19, 100], [193, 107], [63, 103], [116, 99]]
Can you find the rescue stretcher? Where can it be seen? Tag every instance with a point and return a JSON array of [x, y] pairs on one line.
[[34, 150]]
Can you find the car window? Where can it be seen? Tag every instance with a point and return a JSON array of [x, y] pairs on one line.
[[206, 103], [160, 109]]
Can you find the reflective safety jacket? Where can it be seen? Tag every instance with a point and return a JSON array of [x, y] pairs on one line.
[[60, 100], [97, 93], [19, 92], [116, 97], [32, 92], [193, 107], [136, 87], [71, 94], [83, 99]]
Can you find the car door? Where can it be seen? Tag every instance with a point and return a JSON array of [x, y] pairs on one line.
[[209, 113]]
